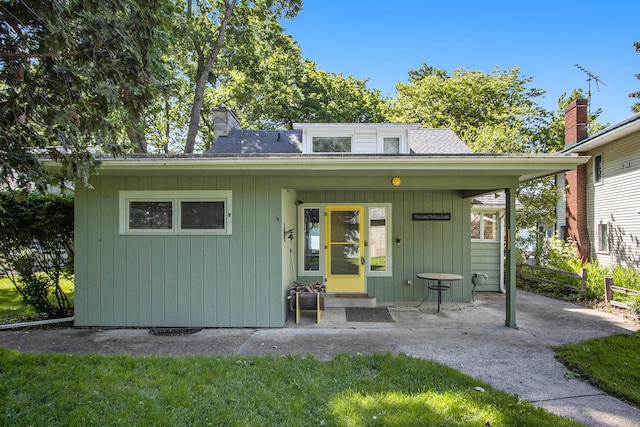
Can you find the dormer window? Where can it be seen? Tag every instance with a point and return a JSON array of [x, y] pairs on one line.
[[331, 144], [355, 138], [391, 144]]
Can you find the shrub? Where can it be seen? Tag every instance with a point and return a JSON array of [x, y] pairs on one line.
[[36, 243]]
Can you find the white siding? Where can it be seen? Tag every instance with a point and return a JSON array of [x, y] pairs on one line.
[[365, 142], [616, 201]]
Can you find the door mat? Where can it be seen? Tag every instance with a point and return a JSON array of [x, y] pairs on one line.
[[366, 314], [353, 296]]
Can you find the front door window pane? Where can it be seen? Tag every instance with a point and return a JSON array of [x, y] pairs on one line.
[[331, 144], [150, 215], [202, 215]]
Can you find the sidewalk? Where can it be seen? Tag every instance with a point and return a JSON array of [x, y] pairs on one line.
[[471, 338]]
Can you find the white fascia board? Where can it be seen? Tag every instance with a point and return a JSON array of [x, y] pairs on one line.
[[354, 126], [606, 136], [527, 167]]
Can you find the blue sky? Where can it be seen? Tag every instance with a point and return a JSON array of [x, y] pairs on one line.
[[383, 40]]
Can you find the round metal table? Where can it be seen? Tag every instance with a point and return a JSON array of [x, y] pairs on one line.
[[439, 277]]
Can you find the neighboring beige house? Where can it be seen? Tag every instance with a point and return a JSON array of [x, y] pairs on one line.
[[601, 207]]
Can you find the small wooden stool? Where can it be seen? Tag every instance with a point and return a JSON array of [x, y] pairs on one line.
[[309, 301]]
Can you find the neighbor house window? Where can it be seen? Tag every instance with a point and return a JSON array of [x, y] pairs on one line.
[[603, 237], [484, 225], [175, 212], [597, 168], [331, 144]]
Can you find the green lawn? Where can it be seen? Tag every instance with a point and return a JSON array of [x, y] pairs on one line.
[[12, 307], [611, 364], [383, 389]]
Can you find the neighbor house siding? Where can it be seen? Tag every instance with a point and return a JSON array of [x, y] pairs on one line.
[[179, 280], [425, 245], [485, 258], [616, 201]]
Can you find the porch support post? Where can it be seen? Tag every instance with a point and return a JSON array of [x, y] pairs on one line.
[[510, 258]]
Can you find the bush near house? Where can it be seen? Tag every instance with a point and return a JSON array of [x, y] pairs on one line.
[[562, 255], [36, 245]]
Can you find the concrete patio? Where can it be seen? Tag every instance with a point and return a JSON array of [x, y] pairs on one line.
[[469, 337]]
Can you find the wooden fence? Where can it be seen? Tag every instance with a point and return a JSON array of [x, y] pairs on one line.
[[609, 289], [582, 290]]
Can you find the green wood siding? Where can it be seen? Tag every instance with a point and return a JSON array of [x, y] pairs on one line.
[[240, 280], [179, 280], [485, 258], [425, 245]]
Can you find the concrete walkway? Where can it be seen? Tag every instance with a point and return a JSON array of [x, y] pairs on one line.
[[471, 338]]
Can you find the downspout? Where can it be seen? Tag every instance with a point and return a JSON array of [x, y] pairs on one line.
[[502, 242], [36, 323]]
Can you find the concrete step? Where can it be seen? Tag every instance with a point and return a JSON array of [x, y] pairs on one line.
[[349, 300]]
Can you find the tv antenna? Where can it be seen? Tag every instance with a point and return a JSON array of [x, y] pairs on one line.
[[590, 76]]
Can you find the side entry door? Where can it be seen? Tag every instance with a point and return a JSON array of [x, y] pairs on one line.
[[344, 252]]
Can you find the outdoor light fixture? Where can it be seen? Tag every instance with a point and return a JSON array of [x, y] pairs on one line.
[[396, 181]]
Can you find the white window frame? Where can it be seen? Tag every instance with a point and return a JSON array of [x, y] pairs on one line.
[[601, 180], [389, 246], [482, 214], [603, 240], [403, 148], [322, 208], [175, 197], [331, 135]]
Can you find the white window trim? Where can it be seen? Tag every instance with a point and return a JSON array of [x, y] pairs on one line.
[[599, 249], [175, 197], [366, 206], [301, 270], [381, 135], [601, 169], [482, 212], [338, 132], [389, 224]]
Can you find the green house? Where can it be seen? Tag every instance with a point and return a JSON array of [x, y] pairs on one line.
[[216, 239]]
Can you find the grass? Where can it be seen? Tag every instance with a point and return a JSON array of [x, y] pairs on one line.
[[11, 305], [612, 364], [360, 390]]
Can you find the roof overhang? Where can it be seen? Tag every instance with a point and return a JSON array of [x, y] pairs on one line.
[[525, 167], [612, 133]]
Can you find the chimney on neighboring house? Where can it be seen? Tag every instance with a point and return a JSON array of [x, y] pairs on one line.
[[575, 127], [223, 121]]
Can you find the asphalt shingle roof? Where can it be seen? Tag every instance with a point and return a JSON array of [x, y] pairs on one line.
[[436, 141], [242, 141]]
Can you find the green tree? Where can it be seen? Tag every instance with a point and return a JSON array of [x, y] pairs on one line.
[[491, 112], [297, 91], [636, 107], [74, 73], [222, 33], [36, 241]]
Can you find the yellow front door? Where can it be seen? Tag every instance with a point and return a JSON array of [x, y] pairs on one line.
[[344, 249]]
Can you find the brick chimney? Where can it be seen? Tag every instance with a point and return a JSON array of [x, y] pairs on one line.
[[575, 130], [575, 121], [223, 121]]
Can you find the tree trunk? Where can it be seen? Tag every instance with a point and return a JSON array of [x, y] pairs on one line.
[[205, 64]]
